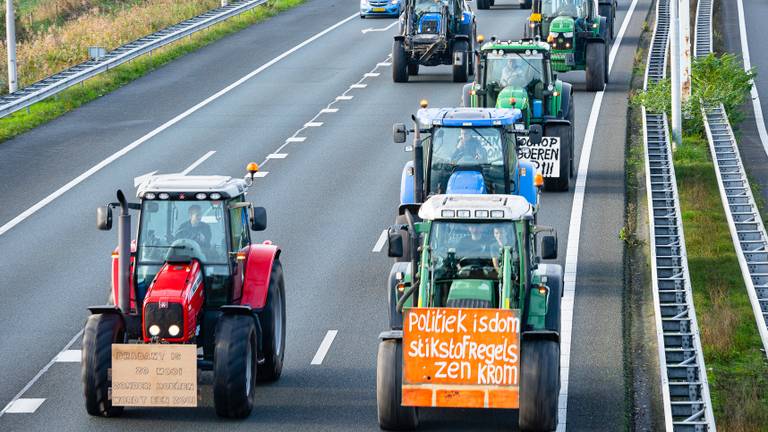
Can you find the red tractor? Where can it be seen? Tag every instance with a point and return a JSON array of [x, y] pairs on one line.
[[192, 284]]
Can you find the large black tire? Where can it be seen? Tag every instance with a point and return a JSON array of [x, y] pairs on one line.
[[413, 69], [596, 66], [389, 391], [101, 331], [526, 4], [399, 62], [234, 366], [571, 117], [555, 284], [483, 4], [607, 64], [272, 321], [539, 385], [606, 10], [563, 182], [461, 71]]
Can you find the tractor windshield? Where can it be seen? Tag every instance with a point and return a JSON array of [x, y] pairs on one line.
[[461, 250], [512, 70], [424, 6], [571, 8], [479, 150]]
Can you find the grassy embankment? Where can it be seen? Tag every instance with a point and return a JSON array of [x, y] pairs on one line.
[[54, 44]]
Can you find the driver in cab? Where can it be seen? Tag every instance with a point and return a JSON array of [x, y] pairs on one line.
[[469, 149], [194, 229]]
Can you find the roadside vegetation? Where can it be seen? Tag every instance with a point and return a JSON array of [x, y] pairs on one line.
[[736, 366], [111, 24]]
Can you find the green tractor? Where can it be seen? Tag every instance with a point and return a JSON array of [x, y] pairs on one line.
[[579, 34], [477, 255], [518, 74]]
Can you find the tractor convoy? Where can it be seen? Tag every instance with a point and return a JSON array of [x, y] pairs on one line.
[[474, 311]]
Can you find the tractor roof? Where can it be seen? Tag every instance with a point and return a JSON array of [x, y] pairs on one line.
[[519, 46], [468, 117], [476, 207], [179, 185]]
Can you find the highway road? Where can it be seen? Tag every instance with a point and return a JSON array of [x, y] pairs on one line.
[[309, 92]]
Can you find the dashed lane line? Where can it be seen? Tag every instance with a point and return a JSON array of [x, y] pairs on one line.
[[25, 405], [197, 163], [325, 345], [69, 356]]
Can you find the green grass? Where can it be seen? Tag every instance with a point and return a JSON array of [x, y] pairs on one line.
[[736, 367], [51, 108]]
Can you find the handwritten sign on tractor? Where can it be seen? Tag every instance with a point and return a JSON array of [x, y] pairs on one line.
[[545, 155], [154, 375], [467, 358]]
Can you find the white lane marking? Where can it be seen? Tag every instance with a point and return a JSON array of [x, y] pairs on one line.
[[384, 64], [368, 30], [69, 356], [380, 242], [574, 233], [25, 406], [140, 179], [296, 139], [313, 124], [325, 345], [756, 106], [277, 156], [79, 179], [197, 163], [39, 374], [344, 97], [260, 174], [372, 74], [358, 86], [329, 110]]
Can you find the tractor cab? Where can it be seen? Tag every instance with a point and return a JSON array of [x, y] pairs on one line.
[[465, 150]]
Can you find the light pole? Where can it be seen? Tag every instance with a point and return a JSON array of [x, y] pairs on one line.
[[10, 30], [685, 49], [675, 74]]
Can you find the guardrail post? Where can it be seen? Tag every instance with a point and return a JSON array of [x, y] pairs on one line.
[[10, 34]]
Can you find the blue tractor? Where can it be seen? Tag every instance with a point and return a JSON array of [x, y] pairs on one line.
[[432, 33], [465, 151]]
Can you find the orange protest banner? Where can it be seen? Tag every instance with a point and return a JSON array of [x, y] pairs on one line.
[[466, 358]]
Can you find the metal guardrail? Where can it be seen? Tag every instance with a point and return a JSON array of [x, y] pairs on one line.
[[744, 221], [54, 84], [685, 390]]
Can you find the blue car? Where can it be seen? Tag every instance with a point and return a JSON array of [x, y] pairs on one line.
[[390, 8]]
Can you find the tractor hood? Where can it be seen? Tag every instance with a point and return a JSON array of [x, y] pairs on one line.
[[561, 24], [509, 94], [175, 297], [479, 290], [429, 23]]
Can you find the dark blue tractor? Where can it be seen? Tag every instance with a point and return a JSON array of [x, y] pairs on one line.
[[432, 33]]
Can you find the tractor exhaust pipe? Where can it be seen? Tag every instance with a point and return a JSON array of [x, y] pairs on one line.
[[124, 254]]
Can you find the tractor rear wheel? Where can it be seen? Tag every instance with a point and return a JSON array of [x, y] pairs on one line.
[[483, 4], [389, 390], [101, 331], [526, 4], [272, 320], [399, 62], [596, 66], [539, 385], [562, 181], [460, 71], [413, 69], [234, 366], [571, 117]]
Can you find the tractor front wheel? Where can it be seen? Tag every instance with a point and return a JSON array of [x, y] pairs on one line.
[[413, 69], [389, 391], [399, 62], [539, 385], [460, 68], [234, 366], [562, 182], [101, 331], [483, 4], [272, 320], [596, 66], [526, 4]]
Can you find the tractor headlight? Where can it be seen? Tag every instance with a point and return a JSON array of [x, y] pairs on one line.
[[394, 2], [154, 330], [363, 3], [174, 330]]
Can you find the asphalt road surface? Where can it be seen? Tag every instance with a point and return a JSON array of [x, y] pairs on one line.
[[328, 200]]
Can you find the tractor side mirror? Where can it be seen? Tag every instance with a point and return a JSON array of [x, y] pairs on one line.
[[398, 133], [394, 244], [104, 218], [535, 134], [258, 218], [549, 247]]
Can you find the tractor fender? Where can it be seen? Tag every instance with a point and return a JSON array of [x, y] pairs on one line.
[[406, 185], [554, 122], [525, 173], [395, 317], [532, 335], [400, 37], [258, 267], [554, 282], [566, 94]]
